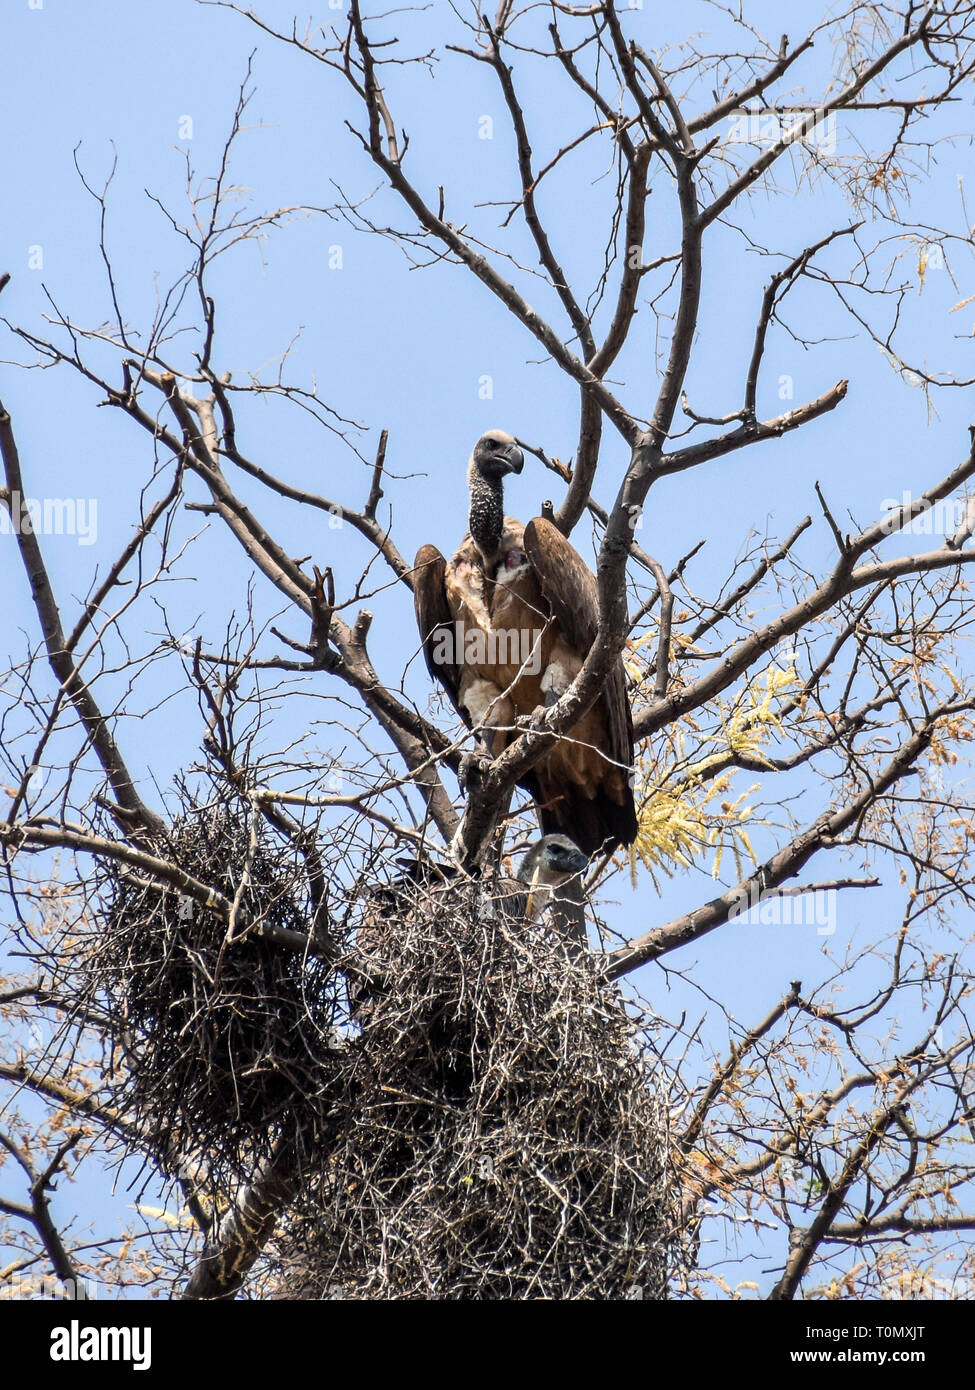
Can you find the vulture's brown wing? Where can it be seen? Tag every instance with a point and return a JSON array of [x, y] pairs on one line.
[[570, 587], [435, 621]]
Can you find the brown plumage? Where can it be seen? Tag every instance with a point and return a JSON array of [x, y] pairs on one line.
[[506, 625]]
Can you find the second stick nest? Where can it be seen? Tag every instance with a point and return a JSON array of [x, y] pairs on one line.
[[225, 1035]]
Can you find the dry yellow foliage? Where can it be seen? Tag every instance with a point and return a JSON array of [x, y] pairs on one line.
[[685, 811]]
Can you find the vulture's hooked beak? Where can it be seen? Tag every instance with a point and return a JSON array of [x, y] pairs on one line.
[[576, 861], [514, 458]]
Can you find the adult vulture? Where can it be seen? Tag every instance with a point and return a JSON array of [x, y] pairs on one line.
[[506, 625]]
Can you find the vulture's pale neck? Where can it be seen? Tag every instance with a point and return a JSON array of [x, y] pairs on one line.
[[486, 520]]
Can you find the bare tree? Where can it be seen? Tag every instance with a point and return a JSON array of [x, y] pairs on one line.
[[826, 664]]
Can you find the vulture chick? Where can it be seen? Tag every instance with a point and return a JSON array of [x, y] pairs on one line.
[[506, 625], [549, 863]]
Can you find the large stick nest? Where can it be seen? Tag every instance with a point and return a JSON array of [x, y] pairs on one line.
[[502, 1135], [225, 1036], [467, 1108]]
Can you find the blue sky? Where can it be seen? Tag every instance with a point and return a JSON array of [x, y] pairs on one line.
[[406, 349]]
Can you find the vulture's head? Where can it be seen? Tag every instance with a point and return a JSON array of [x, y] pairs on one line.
[[495, 455], [549, 863]]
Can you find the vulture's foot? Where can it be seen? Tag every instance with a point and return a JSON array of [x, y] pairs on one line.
[[532, 723], [473, 770]]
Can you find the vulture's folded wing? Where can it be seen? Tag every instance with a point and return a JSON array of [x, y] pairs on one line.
[[569, 586], [436, 623]]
